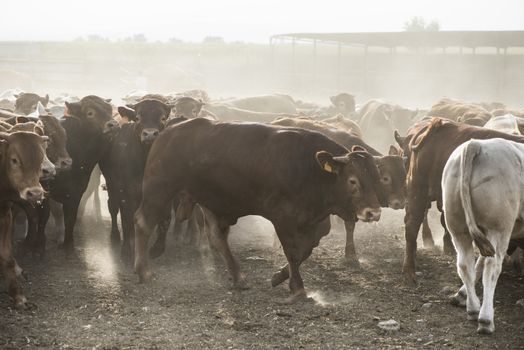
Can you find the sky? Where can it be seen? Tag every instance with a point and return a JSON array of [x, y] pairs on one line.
[[243, 20]]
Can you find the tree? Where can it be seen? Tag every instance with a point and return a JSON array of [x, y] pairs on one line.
[[418, 24], [213, 40]]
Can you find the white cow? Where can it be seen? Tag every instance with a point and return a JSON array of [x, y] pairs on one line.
[[507, 123], [483, 194]]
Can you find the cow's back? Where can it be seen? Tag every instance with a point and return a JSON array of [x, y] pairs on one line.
[[239, 166]]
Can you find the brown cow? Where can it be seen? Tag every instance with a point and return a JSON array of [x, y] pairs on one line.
[[458, 111], [430, 145], [293, 177], [391, 169], [343, 123], [22, 157], [26, 102], [187, 107], [342, 103]]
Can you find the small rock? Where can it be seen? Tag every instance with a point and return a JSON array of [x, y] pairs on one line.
[[389, 325], [426, 306], [520, 302], [418, 273], [376, 318], [447, 290]]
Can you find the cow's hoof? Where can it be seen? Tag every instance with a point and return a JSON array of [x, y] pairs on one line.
[[473, 315], [485, 327], [458, 299], [410, 279], [352, 263], [278, 278], [156, 251], [241, 284], [144, 274], [20, 302], [299, 296]]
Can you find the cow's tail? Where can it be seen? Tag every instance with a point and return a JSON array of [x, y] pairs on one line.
[[469, 152]]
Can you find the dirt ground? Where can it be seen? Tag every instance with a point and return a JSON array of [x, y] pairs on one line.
[[93, 301]]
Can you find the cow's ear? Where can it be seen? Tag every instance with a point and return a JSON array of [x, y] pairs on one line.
[[202, 103], [127, 112], [357, 148], [21, 119], [73, 109], [393, 151], [38, 130], [327, 163], [46, 100], [333, 99], [400, 140], [167, 108]]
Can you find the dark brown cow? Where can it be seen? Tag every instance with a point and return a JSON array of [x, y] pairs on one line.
[[391, 169], [22, 157], [293, 177], [26, 102], [430, 145]]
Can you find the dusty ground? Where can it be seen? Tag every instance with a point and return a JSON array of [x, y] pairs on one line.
[[94, 301]]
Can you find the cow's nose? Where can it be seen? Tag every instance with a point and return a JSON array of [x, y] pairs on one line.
[[48, 171], [111, 125], [149, 134], [33, 194]]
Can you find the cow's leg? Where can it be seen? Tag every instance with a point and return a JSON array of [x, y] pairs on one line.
[[113, 206], [466, 271], [413, 219], [297, 248], [159, 247], [427, 237], [57, 210], [350, 255], [29, 243], [447, 243], [460, 298], [70, 208], [492, 268], [219, 231], [155, 206], [43, 211], [7, 261], [128, 231], [97, 207]]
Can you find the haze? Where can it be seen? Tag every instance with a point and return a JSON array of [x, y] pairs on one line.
[[240, 20]]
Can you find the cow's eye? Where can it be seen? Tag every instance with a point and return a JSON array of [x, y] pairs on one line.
[[14, 161], [353, 182]]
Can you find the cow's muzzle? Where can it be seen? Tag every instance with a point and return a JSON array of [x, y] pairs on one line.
[[111, 126], [149, 135], [33, 195], [64, 163], [48, 170]]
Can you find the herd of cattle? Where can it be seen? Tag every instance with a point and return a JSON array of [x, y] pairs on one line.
[[186, 157]]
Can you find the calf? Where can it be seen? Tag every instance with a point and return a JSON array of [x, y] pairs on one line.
[[22, 156], [88, 145], [429, 149], [129, 149], [483, 200], [293, 177], [390, 167]]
